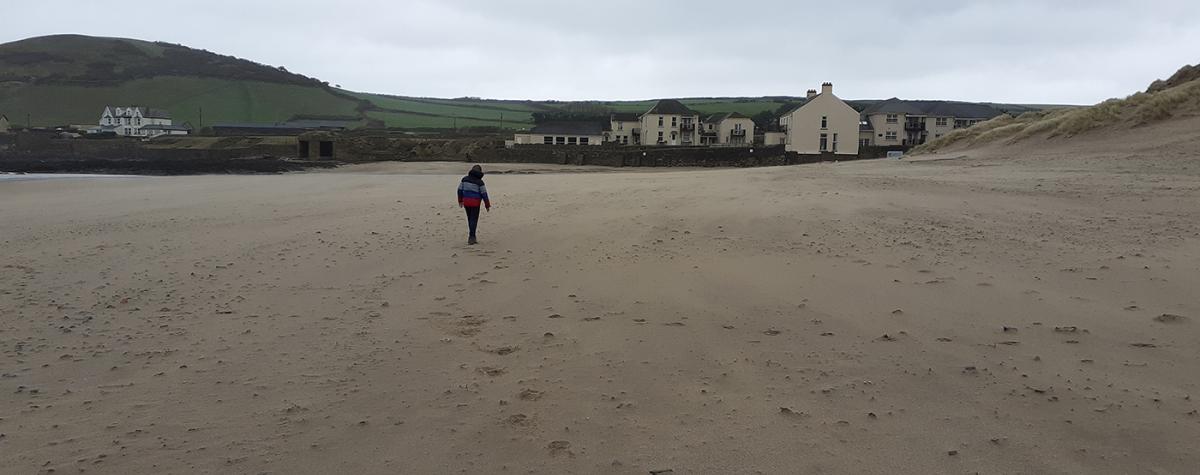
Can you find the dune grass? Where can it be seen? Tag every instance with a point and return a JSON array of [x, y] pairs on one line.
[[1134, 111]]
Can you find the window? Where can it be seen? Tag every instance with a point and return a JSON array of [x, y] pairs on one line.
[[548, 140], [570, 140], [127, 131], [893, 118], [673, 121], [834, 143], [941, 121], [660, 121], [583, 140], [824, 142], [560, 140], [864, 142], [937, 136], [620, 126], [824, 122], [660, 135], [889, 136], [137, 121]]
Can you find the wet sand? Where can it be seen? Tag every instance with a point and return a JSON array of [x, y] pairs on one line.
[[942, 315]]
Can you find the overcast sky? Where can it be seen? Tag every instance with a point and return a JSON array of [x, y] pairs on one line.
[[1020, 51]]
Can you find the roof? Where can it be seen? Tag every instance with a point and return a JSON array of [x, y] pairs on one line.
[[321, 123], [297, 124], [575, 127], [934, 109], [670, 107], [254, 125], [166, 127], [146, 112], [712, 119], [625, 116]]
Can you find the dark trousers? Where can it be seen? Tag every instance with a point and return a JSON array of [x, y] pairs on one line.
[[472, 218]]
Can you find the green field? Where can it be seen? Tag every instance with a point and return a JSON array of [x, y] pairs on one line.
[[414, 121], [68, 79], [437, 111], [184, 97]]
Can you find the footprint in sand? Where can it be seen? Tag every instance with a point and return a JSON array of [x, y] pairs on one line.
[[560, 447], [519, 420], [530, 394], [504, 350], [491, 370], [1170, 318]]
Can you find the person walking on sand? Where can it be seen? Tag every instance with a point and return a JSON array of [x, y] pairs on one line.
[[471, 193]]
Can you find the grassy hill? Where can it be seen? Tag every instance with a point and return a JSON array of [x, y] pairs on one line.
[[1175, 98], [68, 79]]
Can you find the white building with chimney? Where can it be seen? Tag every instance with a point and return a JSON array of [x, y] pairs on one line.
[[137, 121], [824, 124]]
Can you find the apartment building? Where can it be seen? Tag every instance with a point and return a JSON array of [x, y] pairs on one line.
[[896, 122], [732, 128], [624, 128], [670, 122], [823, 124]]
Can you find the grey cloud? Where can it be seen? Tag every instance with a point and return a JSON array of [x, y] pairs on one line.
[[1011, 51]]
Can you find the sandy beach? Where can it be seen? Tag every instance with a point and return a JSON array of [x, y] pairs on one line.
[[983, 314]]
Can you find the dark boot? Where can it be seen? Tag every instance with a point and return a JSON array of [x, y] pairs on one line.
[[471, 240]]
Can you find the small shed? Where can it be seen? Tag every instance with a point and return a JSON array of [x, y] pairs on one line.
[[317, 145]]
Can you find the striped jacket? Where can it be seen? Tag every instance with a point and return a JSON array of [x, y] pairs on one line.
[[472, 192]]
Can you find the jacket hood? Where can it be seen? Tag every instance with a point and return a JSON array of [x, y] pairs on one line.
[[476, 171]]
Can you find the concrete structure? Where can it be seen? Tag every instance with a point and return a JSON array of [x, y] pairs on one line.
[[155, 130], [563, 133], [670, 122], [4, 126], [624, 128], [134, 121], [897, 122], [733, 129], [293, 127], [823, 124]]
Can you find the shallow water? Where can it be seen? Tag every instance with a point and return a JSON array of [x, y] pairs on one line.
[[52, 176]]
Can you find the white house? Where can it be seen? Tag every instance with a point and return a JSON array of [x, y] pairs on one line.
[[138, 122], [669, 122], [731, 128], [824, 124], [3, 124]]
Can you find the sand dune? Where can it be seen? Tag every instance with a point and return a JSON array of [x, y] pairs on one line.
[[945, 315]]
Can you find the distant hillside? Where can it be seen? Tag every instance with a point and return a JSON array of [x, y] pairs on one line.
[[1175, 98], [68, 79]]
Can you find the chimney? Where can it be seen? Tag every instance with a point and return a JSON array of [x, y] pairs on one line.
[[827, 88], [812, 93]]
